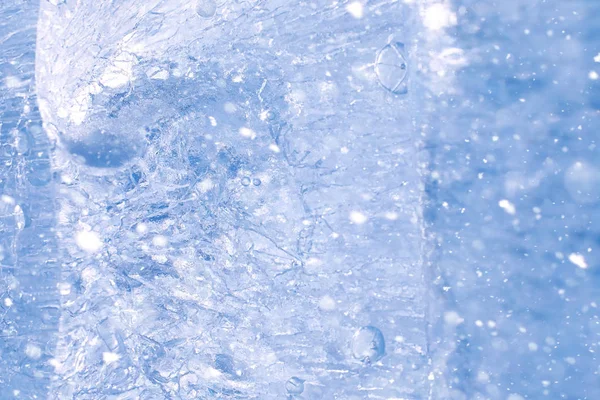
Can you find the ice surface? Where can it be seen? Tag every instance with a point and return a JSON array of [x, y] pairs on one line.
[[237, 195], [29, 301], [225, 192]]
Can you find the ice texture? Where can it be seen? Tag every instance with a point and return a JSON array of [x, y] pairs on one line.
[[29, 271], [224, 192], [237, 194]]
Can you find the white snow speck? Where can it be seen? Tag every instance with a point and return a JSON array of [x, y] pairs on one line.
[[438, 16], [358, 217], [355, 9], [141, 228], [229, 108], [593, 75], [326, 303], [32, 351], [247, 133], [109, 357], [88, 241], [597, 58], [160, 241], [7, 199], [205, 185], [274, 148], [392, 216], [453, 318], [8, 302], [507, 206], [578, 260]]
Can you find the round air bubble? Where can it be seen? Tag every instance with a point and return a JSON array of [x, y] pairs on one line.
[[256, 182], [206, 8], [368, 344], [294, 386], [245, 181], [391, 68]]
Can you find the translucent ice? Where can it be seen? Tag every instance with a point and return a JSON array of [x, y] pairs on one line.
[[230, 243], [294, 386], [368, 344], [391, 67]]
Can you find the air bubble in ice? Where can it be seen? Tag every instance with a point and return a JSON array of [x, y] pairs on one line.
[[206, 8], [256, 182], [294, 386], [368, 344], [391, 68], [246, 181]]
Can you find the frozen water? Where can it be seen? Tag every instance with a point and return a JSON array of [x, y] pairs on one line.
[[426, 167], [294, 386], [368, 344], [217, 178], [206, 8], [391, 68]]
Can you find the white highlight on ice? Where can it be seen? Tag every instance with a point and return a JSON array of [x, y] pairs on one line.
[[88, 241], [578, 260]]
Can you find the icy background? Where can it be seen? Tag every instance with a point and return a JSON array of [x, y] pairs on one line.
[[244, 199]]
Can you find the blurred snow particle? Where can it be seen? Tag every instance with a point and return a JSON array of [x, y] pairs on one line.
[[597, 58], [88, 241], [532, 346], [247, 133], [326, 303], [7, 199], [593, 75], [8, 302], [578, 260], [229, 107], [392, 216], [453, 318], [358, 217], [355, 9], [515, 396], [206, 8], [507, 206], [205, 185], [109, 358], [438, 16], [274, 148], [32, 351], [582, 181], [160, 241], [141, 228]]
